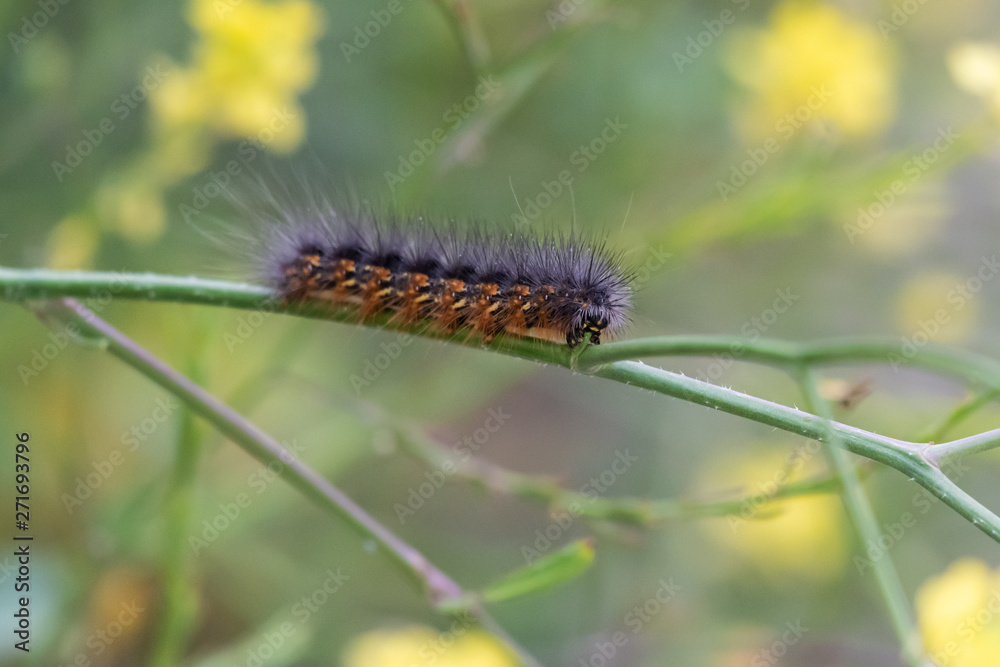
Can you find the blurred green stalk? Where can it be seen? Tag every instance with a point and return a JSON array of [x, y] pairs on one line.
[[862, 516]]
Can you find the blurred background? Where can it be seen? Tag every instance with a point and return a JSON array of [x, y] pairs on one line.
[[784, 169]]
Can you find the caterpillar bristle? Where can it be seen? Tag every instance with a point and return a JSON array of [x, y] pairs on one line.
[[484, 279]]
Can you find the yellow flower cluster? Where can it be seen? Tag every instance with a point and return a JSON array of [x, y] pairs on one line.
[[251, 61], [420, 645], [959, 615], [975, 66], [813, 62], [938, 306]]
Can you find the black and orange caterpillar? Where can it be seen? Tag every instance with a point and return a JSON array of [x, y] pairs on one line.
[[489, 281]]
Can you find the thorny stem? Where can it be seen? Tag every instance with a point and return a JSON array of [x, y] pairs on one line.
[[981, 442], [612, 362]]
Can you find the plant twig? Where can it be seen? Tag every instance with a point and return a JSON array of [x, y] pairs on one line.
[[973, 444], [180, 599], [626, 511], [440, 588], [607, 361], [905, 457], [461, 16], [862, 516], [974, 402], [266, 449]]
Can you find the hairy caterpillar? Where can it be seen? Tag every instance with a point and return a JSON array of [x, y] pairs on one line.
[[487, 280]]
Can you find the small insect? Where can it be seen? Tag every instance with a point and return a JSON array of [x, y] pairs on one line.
[[487, 280]]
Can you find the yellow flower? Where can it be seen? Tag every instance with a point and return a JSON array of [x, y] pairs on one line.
[[420, 645], [250, 62], [975, 66], [800, 536], [959, 615], [938, 307], [813, 62]]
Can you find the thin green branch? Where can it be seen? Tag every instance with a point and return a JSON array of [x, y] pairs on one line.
[[180, 597], [25, 284], [905, 457], [966, 408], [605, 361], [19, 285], [267, 450], [931, 357], [461, 17], [440, 588], [973, 444], [862, 516], [626, 511]]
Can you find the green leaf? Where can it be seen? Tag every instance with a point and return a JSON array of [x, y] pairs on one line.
[[545, 573]]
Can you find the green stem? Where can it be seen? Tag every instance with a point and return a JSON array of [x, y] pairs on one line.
[[268, 451], [627, 511], [958, 415], [973, 444], [461, 17], [440, 588], [24, 284], [931, 357], [605, 361], [862, 516], [905, 457], [180, 596]]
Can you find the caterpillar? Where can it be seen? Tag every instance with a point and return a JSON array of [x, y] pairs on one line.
[[490, 281]]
